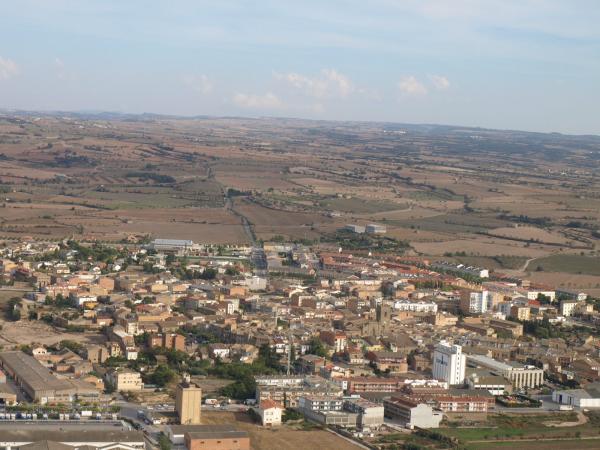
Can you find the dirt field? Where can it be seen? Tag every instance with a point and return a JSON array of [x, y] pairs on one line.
[[530, 233], [284, 437], [566, 280], [25, 332], [211, 386], [480, 248]]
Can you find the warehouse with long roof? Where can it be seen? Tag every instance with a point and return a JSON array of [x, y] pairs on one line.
[[39, 383]]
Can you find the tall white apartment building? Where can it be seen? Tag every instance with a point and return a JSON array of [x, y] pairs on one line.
[[449, 363], [476, 302]]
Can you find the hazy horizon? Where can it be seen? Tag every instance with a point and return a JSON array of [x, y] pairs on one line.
[[528, 65]]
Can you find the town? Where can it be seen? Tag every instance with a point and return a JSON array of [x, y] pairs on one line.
[[174, 344]]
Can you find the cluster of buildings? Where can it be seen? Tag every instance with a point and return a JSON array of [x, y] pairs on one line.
[[360, 338]]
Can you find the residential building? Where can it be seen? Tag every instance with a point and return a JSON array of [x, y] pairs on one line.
[[320, 403], [475, 302], [270, 413], [370, 415], [358, 385], [390, 362], [520, 312], [125, 380], [567, 307], [514, 329], [336, 339]]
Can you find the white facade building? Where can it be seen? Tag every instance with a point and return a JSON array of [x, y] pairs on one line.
[[375, 228], [479, 302], [520, 375], [404, 305], [270, 413], [567, 307], [581, 398], [449, 363]]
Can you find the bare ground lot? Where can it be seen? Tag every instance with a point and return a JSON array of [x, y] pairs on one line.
[[567, 280], [25, 332], [284, 437], [480, 247], [529, 233]]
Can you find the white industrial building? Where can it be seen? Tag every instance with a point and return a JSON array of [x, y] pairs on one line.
[[581, 398], [180, 246], [375, 228], [412, 414], [520, 375], [449, 363], [355, 228]]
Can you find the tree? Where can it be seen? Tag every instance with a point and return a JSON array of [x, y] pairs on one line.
[[268, 357], [544, 299], [141, 339], [13, 313], [387, 289], [162, 375], [232, 271], [316, 347], [208, 274], [75, 347], [163, 442]]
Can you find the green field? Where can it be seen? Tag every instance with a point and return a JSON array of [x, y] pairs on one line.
[[567, 263], [583, 444], [533, 429], [433, 195], [493, 262], [452, 223], [361, 206], [135, 200]]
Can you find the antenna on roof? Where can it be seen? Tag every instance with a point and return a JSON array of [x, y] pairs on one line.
[[289, 355]]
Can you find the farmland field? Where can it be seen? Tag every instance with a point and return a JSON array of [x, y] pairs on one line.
[[108, 178], [575, 264], [530, 431]]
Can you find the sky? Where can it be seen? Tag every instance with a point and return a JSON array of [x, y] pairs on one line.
[[508, 64]]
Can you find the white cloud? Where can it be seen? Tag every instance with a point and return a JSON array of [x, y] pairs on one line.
[[199, 83], [440, 82], [411, 86], [267, 101], [330, 83], [8, 68]]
